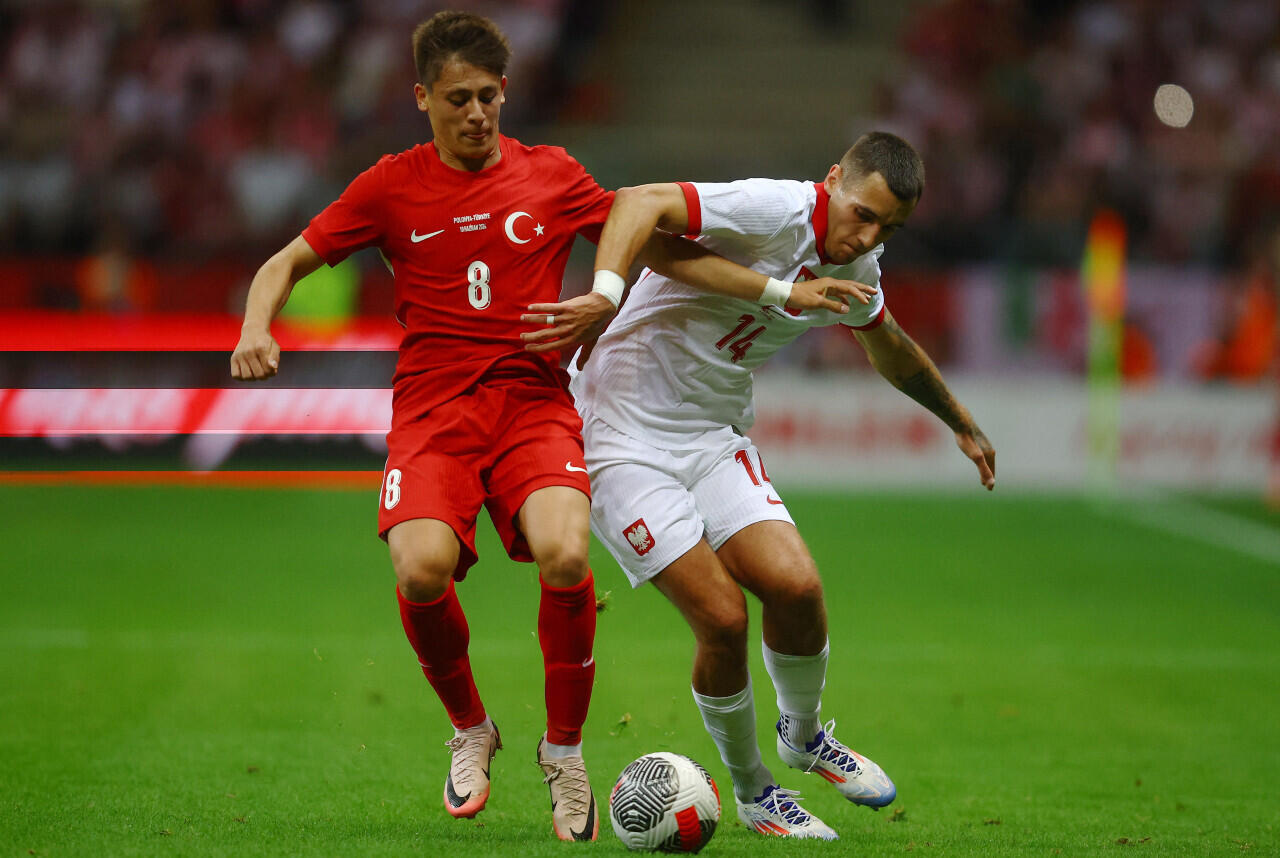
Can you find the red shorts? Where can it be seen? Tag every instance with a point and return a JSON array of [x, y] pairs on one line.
[[492, 446]]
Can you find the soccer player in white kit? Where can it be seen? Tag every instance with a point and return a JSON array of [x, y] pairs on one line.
[[681, 495]]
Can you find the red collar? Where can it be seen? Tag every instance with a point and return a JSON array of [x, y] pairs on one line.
[[820, 221]]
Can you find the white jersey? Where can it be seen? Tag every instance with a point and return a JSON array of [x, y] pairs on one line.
[[677, 361]]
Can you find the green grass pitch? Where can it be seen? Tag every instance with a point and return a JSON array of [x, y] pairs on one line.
[[201, 672]]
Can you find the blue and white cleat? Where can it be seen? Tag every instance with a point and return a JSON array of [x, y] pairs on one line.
[[857, 778], [775, 812]]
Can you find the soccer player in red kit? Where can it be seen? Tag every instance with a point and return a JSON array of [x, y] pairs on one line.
[[475, 227]]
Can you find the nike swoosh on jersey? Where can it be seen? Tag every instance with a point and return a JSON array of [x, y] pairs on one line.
[[415, 238], [772, 499], [569, 466]]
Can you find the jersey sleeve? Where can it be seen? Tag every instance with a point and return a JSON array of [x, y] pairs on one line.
[[749, 208], [865, 270], [350, 223], [585, 202]]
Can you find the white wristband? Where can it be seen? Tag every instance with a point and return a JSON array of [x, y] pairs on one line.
[[776, 292], [610, 285]]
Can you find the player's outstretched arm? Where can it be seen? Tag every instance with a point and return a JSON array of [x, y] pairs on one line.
[[257, 355], [690, 262], [634, 215], [907, 367], [567, 323], [644, 223], [640, 226]]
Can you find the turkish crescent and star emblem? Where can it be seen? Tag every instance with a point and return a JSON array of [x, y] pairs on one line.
[[521, 227]]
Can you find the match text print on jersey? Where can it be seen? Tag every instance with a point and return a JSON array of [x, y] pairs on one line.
[[738, 348], [415, 238]]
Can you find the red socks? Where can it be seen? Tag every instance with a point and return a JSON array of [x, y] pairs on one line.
[[567, 630], [439, 634]]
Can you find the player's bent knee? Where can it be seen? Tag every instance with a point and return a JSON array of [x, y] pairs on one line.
[[422, 585], [800, 589], [724, 629], [563, 565], [422, 576], [808, 589]]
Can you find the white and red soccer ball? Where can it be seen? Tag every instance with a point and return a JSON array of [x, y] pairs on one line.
[[664, 802]]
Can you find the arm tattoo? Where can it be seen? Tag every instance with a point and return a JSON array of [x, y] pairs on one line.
[[927, 388], [911, 371]]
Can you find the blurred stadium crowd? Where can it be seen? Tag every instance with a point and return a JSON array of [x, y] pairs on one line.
[[196, 129], [211, 126], [1032, 114]]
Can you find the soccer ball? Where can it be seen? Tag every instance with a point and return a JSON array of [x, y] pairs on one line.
[[664, 802]]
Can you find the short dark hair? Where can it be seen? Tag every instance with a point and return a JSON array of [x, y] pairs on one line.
[[891, 157], [463, 36]]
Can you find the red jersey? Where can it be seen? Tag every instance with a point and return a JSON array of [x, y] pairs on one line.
[[469, 253]]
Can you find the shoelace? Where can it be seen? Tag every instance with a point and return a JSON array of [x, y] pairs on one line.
[[467, 748], [783, 802], [574, 790], [833, 751]]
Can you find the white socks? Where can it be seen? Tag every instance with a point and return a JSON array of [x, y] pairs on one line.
[[560, 752], [484, 726], [798, 680], [731, 721]]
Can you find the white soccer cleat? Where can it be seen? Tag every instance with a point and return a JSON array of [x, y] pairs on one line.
[[467, 787], [573, 806], [776, 814], [857, 778]]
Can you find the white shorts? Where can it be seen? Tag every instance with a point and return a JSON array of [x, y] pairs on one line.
[[649, 505]]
